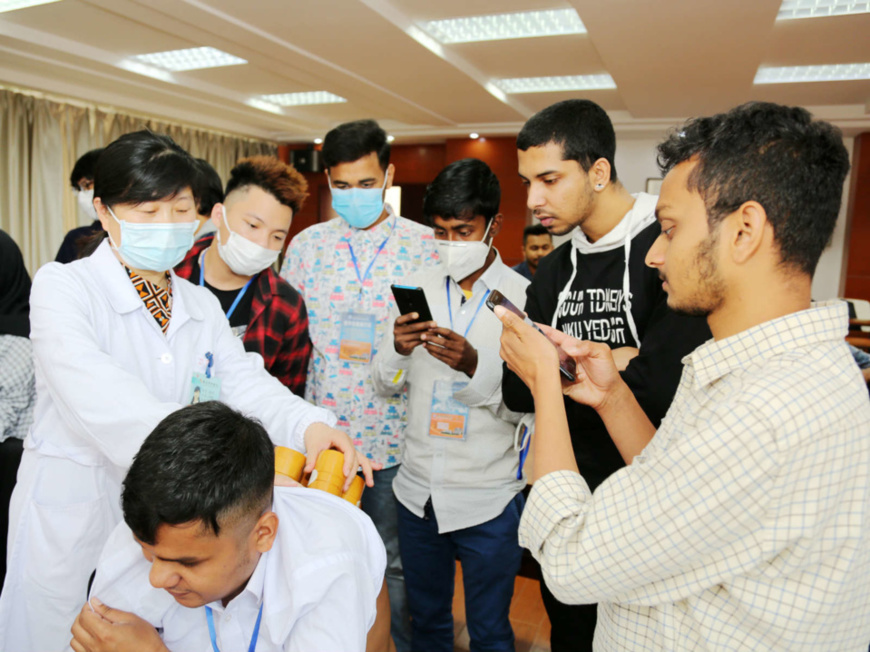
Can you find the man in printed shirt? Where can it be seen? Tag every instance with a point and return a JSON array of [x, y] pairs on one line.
[[743, 523], [344, 269]]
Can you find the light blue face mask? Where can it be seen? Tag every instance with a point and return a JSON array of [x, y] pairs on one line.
[[359, 207], [154, 247]]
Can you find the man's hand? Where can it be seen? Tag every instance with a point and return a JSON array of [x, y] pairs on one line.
[[452, 349], [406, 336], [527, 353], [320, 437], [596, 377], [104, 629]]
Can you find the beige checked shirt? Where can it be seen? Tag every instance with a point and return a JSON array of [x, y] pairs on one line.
[[745, 522]]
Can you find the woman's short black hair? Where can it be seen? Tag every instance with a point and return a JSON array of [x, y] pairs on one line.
[[463, 190], [143, 166], [206, 462], [353, 140], [775, 155]]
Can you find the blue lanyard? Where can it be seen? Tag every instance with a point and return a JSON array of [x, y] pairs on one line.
[[524, 452], [211, 632], [238, 296], [363, 278], [473, 317]]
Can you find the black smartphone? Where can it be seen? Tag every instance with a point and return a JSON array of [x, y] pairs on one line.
[[412, 299], [567, 366]]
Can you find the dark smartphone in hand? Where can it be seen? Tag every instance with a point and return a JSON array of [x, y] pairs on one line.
[[567, 366], [412, 299]]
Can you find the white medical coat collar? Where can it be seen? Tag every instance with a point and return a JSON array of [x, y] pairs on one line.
[[124, 298]]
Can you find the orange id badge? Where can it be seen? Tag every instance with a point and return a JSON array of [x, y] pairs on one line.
[[357, 337], [449, 417]]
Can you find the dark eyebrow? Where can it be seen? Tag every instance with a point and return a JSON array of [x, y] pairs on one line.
[[182, 560]]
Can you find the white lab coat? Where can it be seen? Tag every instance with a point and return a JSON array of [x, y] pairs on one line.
[[105, 376]]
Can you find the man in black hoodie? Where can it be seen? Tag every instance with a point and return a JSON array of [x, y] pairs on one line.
[[596, 287]]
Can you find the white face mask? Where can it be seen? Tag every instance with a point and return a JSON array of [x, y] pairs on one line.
[[85, 199], [244, 257], [464, 258]]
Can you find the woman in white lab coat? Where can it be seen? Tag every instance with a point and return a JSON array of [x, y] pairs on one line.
[[120, 342]]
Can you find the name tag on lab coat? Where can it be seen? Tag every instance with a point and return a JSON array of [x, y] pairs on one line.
[[204, 389]]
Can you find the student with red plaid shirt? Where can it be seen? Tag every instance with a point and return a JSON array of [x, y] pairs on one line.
[[235, 264]]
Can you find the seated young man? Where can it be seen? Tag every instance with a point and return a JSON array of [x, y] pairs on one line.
[[209, 556]]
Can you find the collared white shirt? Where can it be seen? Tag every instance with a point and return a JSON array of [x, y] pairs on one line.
[[320, 267], [471, 481], [318, 584], [745, 522]]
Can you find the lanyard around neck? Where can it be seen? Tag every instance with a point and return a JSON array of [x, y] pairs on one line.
[[238, 296], [213, 635], [362, 278], [473, 317]]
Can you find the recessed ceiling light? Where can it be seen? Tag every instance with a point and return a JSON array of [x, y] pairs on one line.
[[800, 74], [264, 106], [12, 5], [793, 9], [473, 136], [190, 59], [505, 26], [391, 138], [555, 84], [318, 141], [303, 99]]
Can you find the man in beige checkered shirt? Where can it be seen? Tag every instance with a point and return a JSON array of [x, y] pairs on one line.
[[743, 523]]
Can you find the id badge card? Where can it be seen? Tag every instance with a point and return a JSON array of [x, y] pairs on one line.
[[357, 337], [204, 389], [449, 417]]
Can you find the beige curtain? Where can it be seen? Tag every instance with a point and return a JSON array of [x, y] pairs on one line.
[[40, 141]]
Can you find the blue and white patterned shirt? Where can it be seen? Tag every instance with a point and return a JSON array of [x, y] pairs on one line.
[[319, 265], [745, 522]]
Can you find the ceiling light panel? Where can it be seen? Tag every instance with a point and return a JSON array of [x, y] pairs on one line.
[[190, 59], [793, 9], [12, 5], [303, 99], [801, 74], [555, 84], [497, 27]]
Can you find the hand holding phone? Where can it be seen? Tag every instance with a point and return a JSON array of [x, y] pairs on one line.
[[567, 366], [407, 329]]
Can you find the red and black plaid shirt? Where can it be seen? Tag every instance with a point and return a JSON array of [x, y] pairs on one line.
[[278, 326]]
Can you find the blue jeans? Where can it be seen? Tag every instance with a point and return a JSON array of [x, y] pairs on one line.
[[380, 503], [490, 557]]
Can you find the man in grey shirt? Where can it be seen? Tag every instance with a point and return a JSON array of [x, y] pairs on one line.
[[459, 483]]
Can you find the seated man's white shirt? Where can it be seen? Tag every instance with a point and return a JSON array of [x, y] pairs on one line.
[[745, 522], [318, 584]]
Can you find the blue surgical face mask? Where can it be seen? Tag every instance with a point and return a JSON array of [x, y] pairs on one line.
[[359, 207], [154, 247]]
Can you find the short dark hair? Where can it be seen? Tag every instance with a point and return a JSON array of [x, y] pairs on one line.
[[582, 129], [277, 178], [211, 188], [535, 229], [143, 166], [84, 167], [353, 140], [206, 462], [773, 154], [463, 190]]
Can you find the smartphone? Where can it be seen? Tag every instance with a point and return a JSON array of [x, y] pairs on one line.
[[567, 366], [412, 299]]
